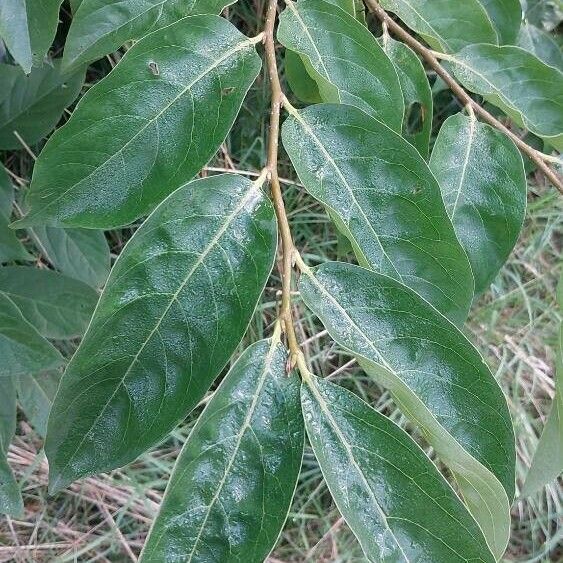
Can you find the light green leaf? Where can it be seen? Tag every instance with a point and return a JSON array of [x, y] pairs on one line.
[[383, 196], [505, 16], [57, 306], [546, 14], [393, 498], [82, 254], [35, 396], [33, 105], [146, 128], [232, 486], [28, 28], [417, 95], [101, 27], [437, 378], [176, 305], [22, 348], [547, 463], [525, 88], [541, 44], [445, 25], [10, 246], [344, 58], [10, 497], [481, 175]]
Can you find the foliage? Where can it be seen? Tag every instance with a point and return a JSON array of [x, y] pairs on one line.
[[430, 230]]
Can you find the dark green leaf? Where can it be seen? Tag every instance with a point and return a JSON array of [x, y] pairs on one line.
[[35, 396], [299, 80], [10, 496], [344, 58], [146, 128], [505, 16], [438, 379], [445, 24], [82, 254], [517, 82], [57, 306], [232, 486], [32, 105], [10, 246], [28, 28], [393, 498], [176, 304], [481, 174], [384, 198], [536, 41], [417, 96], [101, 27], [22, 348]]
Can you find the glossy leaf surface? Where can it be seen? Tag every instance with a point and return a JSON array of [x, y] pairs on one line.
[[481, 174], [82, 254], [146, 128], [57, 306], [541, 44], [101, 27], [232, 486], [33, 105], [517, 82], [176, 304], [438, 379], [384, 198], [417, 96], [393, 498], [10, 496], [445, 25], [22, 349], [10, 246], [344, 58], [505, 16], [35, 396], [28, 28]]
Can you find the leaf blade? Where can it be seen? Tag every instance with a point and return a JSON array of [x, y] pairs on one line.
[[405, 345], [377, 476], [251, 436], [481, 175], [145, 156], [157, 344]]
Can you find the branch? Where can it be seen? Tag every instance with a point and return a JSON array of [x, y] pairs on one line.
[[288, 248], [428, 55]]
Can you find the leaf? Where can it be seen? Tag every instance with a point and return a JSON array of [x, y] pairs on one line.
[[481, 174], [35, 395], [33, 105], [146, 128], [28, 28], [344, 58], [416, 92], [547, 463], [384, 198], [57, 306], [10, 496], [82, 254], [176, 305], [298, 79], [526, 89], [101, 27], [10, 246], [546, 14], [393, 498], [437, 378], [445, 25], [505, 16], [539, 43], [232, 486]]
